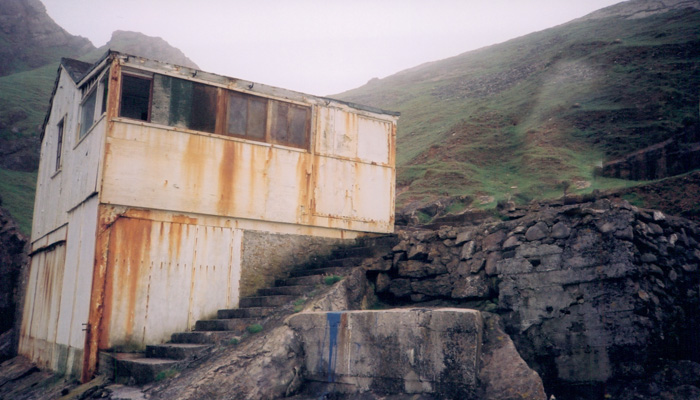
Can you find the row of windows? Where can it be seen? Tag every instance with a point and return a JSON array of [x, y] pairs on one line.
[[181, 103]]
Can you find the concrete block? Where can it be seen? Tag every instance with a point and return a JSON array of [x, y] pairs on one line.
[[431, 351]]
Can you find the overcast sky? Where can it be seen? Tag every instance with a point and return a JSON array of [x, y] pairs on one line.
[[313, 46]]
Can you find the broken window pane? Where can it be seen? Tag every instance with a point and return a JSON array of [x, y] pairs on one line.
[[136, 93], [59, 144], [246, 116], [87, 113], [184, 104], [290, 124], [105, 86]]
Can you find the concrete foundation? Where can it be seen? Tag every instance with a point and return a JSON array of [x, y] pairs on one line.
[[429, 351]]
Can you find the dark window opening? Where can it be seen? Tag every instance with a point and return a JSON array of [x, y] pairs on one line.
[[59, 144], [87, 113], [136, 96]]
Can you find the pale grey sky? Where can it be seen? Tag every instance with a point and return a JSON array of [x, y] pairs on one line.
[[315, 46]]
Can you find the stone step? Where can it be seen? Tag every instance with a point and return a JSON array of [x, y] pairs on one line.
[[344, 262], [235, 325], [203, 337], [265, 301], [355, 251], [286, 290], [142, 369], [342, 271], [249, 312], [302, 280], [176, 351]]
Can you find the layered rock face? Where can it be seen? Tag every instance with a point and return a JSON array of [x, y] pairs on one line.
[[592, 294]]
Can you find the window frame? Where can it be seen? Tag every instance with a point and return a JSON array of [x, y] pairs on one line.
[[270, 103], [148, 77], [61, 127], [82, 130]]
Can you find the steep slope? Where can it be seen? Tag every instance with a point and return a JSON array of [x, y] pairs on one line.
[[29, 38], [536, 115], [138, 44]]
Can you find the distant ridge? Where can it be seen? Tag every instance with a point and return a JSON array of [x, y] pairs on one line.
[[537, 116]]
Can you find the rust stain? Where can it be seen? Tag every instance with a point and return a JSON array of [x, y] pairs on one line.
[[99, 312], [133, 241], [194, 162], [225, 203], [174, 240]]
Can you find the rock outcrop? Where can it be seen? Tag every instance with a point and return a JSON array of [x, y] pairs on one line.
[[593, 294], [13, 256], [31, 39]]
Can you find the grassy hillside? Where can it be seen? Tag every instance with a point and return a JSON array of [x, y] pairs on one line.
[[17, 195], [24, 100], [526, 118]]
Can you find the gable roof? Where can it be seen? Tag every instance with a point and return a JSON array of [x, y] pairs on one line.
[[75, 68]]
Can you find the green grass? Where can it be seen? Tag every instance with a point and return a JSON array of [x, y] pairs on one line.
[[331, 279], [254, 328], [24, 99], [166, 374], [17, 193]]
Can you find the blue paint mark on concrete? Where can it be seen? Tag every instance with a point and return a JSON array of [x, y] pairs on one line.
[[333, 319]]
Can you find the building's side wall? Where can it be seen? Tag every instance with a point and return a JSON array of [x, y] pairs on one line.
[[59, 191], [56, 304]]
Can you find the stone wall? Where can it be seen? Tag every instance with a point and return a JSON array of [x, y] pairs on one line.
[[591, 293]]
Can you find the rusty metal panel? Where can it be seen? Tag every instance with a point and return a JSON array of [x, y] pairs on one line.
[[41, 308], [160, 169], [373, 140], [163, 276], [338, 133], [77, 282], [360, 195]]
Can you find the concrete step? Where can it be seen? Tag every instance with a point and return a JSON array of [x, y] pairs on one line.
[[265, 301], [127, 366], [204, 337], [286, 290], [250, 312], [236, 324], [302, 280], [341, 271], [176, 351]]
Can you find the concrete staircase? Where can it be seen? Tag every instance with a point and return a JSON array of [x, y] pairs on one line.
[[164, 360]]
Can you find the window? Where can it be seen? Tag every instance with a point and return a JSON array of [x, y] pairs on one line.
[[136, 98], [87, 113], [59, 144], [290, 124], [248, 117], [184, 104]]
